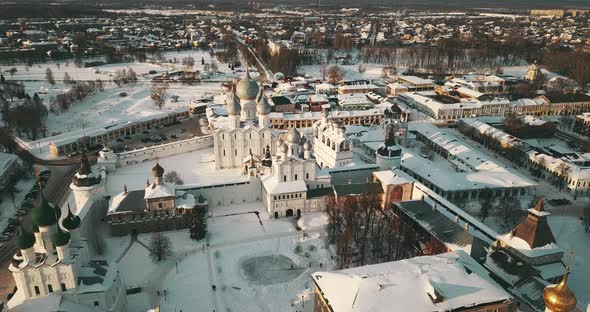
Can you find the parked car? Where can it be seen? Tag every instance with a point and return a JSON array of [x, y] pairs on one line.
[[4, 237], [21, 212], [163, 136], [145, 140], [120, 140], [73, 154], [127, 137], [173, 136], [145, 132], [155, 139]]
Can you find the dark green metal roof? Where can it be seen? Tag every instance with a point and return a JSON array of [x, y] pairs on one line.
[[358, 189], [60, 238], [326, 191], [71, 222], [44, 213], [25, 239]]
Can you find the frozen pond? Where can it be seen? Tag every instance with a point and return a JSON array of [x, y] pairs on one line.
[[268, 270]]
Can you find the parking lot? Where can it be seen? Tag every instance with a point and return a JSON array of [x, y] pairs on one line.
[[181, 130], [24, 208]]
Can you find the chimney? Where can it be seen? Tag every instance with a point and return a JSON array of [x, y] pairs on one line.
[[125, 189]]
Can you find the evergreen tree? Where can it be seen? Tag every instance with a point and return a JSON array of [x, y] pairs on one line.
[[198, 228]]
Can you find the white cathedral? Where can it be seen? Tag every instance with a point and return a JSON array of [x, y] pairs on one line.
[[289, 164], [53, 268]]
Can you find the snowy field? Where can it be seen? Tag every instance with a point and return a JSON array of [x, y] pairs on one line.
[[108, 107], [374, 71], [247, 258]]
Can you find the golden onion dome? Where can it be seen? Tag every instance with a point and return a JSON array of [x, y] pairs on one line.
[[559, 298]]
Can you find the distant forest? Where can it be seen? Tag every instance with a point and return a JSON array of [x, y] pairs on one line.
[[68, 8]]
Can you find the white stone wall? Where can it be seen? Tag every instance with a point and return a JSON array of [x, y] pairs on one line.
[[164, 150], [229, 193]]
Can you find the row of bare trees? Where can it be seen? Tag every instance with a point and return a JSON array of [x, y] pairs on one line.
[[79, 91], [363, 232], [26, 117], [574, 64]]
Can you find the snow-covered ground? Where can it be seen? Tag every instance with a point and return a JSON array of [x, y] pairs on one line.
[[195, 168], [108, 107], [238, 244]]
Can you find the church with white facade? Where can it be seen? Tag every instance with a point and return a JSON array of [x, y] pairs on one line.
[[288, 164], [52, 266]]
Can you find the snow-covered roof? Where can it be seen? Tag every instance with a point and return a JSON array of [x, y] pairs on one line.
[[50, 303], [184, 200], [454, 278], [274, 186], [390, 178], [523, 247], [160, 190], [449, 180]]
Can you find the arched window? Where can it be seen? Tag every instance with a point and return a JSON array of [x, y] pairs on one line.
[[295, 177], [284, 178], [307, 176]]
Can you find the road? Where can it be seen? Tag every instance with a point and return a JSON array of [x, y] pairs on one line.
[[269, 76]]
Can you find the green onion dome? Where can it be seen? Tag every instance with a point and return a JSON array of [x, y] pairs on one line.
[[71, 222], [25, 239], [60, 238], [44, 213]]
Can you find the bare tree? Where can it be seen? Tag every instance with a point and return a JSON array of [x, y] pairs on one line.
[[68, 79], [160, 247], [49, 76], [159, 93], [563, 171], [486, 200], [335, 74], [509, 210], [173, 177], [323, 70]]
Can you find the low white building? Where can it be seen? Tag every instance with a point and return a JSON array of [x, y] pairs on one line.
[[354, 101]]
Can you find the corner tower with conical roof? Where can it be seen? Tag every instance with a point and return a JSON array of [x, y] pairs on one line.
[[87, 184]]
